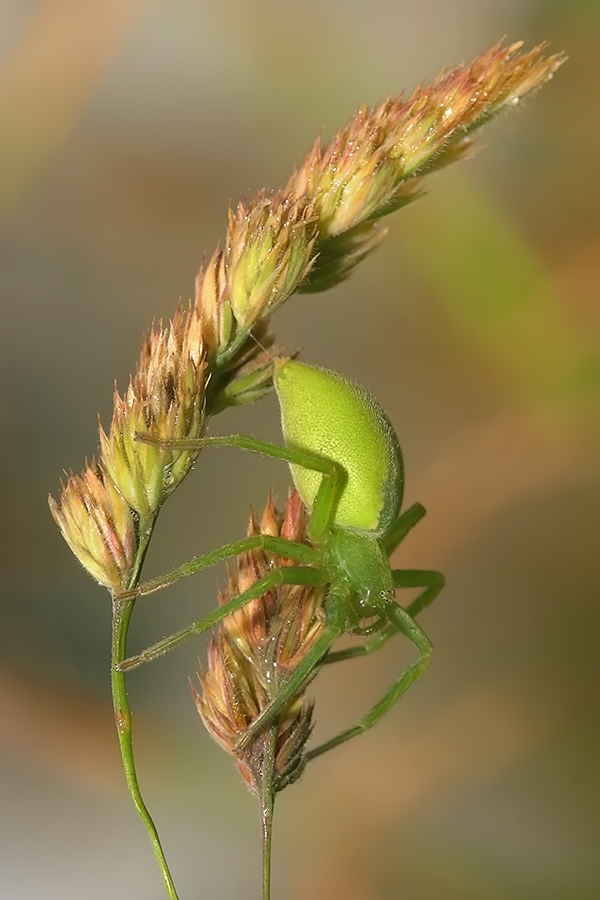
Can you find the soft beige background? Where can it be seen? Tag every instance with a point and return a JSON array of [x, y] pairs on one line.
[[126, 128]]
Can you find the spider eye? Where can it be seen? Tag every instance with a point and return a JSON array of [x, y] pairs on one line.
[[387, 596]]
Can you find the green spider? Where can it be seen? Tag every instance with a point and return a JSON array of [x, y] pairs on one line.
[[346, 464]]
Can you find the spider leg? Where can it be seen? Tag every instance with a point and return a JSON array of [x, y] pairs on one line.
[[432, 582], [289, 549], [400, 620], [403, 524], [281, 575], [330, 489], [365, 649], [334, 607]]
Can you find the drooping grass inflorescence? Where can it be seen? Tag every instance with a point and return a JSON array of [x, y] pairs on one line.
[[220, 352]]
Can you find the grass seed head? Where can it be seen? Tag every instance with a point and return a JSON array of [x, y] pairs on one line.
[[269, 252], [375, 162], [256, 649], [98, 525], [166, 399]]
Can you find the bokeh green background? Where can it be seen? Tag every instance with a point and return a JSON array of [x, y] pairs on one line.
[[126, 128]]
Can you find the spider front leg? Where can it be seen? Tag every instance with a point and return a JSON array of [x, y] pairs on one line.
[[333, 629], [400, 621], [432, 582]]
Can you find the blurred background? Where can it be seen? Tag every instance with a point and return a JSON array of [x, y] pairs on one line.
[[127, 128]]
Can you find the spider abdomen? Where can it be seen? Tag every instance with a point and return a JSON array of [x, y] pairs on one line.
[[333, 417]]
